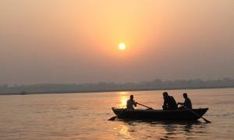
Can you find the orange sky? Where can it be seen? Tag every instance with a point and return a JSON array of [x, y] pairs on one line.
[[57, 41]]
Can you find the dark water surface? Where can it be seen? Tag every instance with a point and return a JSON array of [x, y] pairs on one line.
[[84, 116]]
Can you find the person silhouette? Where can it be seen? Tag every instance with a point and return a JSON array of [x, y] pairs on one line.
[[187, 102], [131, 103], [169, 102]]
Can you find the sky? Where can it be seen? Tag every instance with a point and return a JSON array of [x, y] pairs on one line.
[[75, 41]]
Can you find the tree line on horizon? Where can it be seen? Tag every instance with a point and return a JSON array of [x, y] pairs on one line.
[[156, 84]]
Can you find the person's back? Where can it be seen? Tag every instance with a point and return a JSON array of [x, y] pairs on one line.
[[187, 101], [169, 102]]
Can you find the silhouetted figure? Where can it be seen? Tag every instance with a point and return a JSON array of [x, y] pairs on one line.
[[131, 103], [187, 102], [169, 102]]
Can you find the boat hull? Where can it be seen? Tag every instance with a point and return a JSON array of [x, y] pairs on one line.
[[160, 115]]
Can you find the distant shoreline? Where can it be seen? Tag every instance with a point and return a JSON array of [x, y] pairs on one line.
[[67, 92], [156, 84]]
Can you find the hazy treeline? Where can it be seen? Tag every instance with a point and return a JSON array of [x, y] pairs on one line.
[[156, 84]]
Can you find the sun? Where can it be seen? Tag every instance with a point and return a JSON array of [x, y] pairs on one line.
[[122, 46]]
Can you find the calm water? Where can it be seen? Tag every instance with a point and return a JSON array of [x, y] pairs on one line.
[[84, 116]]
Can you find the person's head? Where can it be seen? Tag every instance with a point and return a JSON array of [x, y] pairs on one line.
[[131, 97], [165, 94], [185, 95]]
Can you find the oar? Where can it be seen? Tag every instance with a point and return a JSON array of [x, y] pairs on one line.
[[144, 105], [207, 121], [112, 118]]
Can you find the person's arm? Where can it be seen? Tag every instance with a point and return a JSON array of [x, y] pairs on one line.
[[179, 103], [135, 103]]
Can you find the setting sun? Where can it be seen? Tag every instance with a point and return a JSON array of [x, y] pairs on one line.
[[122, 46]]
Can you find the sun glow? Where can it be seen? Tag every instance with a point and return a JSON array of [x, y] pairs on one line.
[[123, 101], [122, 46]]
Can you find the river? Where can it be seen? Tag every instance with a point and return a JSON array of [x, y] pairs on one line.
[[84, 116]]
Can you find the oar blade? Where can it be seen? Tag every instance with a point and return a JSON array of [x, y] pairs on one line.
[[207, 121], [112, 118]]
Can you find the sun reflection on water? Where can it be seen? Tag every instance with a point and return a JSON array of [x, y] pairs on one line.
[[123, 101], [123, 97], [124, 131], [123, 93]]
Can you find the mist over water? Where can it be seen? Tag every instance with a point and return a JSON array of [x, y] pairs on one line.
[[85, 116]]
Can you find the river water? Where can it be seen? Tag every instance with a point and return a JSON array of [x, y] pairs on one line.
[[84, 116]]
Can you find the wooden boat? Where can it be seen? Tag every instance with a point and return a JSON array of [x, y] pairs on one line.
[[160, 115]]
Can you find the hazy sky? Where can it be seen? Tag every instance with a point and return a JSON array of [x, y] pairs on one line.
[[76, 41]]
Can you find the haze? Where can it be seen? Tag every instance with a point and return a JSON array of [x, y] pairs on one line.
[[58, 41]]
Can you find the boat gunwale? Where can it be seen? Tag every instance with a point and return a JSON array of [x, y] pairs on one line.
[[158, 110], [142, 114]]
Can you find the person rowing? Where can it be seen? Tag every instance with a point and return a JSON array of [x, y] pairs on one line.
[[131, 103], [187, 102]]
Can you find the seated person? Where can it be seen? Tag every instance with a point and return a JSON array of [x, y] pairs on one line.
[[169, 102], [187, 102], [131, 103]]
